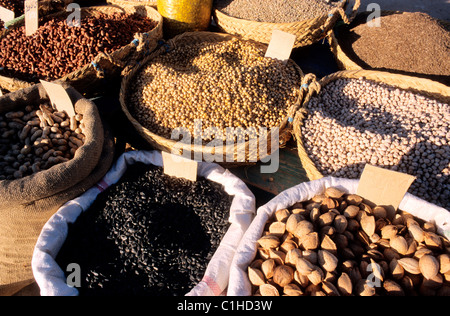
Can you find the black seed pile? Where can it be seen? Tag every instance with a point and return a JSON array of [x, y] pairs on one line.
[[150, 234]]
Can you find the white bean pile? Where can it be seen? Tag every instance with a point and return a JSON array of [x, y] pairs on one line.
[[352, 123]]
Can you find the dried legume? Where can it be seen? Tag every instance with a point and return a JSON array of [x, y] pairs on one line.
[[149, 234], [56, 49], [36, 139], [224, 84], [357, 122]]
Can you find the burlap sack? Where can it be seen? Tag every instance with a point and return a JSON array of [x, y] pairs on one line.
[[27, 204]]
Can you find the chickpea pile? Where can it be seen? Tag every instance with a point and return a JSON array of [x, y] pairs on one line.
[[224, 84]]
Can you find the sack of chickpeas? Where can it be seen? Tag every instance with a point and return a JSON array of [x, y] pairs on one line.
[[46, 159], [322, 239], [142, 232]]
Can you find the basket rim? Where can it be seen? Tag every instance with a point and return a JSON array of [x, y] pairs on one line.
[[75, 74], [150, 3], [311, 30], [165, 144], [341, 5], [427, 87]]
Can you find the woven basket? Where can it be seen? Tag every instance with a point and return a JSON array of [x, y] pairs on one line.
[[168, 145], [425, 87], [346, 61], [150, 3], [88, 78], [308, 31]]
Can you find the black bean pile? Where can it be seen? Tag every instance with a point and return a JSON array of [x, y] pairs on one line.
[[150, 234]]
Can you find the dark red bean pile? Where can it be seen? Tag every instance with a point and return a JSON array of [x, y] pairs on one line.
[[56, 49], [149, 234]]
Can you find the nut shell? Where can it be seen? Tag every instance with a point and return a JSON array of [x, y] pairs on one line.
[[269, 242], [310, 241], [268, 268], [444, 262], [304, 267], [399, 244], [292, 290], [396, 269], [256, 276], [327, 260], [268, 290], [345, 285], [334, 193], [303, 228], [410, 265], [292, 222], [368, 224], [417, 233], [429, 266], [283, 275], [340, 223], [393, 288]]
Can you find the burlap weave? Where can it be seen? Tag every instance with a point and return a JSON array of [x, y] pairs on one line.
[[27, 204]]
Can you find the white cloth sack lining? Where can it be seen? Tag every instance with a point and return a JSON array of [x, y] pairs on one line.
[[239, 284], [50, 277]]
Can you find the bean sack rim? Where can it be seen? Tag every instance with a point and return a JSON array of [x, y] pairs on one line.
[[240, 285], [50, 277]]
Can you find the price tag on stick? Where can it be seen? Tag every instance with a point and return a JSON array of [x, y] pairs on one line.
[[31, 17], [59, 98], [281, 45], [384, 187]]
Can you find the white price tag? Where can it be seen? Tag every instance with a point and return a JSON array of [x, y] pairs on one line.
[[281, 45], [6, 15], [31, 17], [59, 98], [180, 167]]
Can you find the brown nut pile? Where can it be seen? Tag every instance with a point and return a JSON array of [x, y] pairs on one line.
[[37, 139], [354, 122], [337, 245], [56, 49], [223, 84]]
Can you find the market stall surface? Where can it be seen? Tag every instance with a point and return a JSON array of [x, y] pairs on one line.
[[316, 59]]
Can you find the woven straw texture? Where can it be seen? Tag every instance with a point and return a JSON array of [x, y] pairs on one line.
[[308, 31], [87, 78], [425, 87], [168, 145]]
